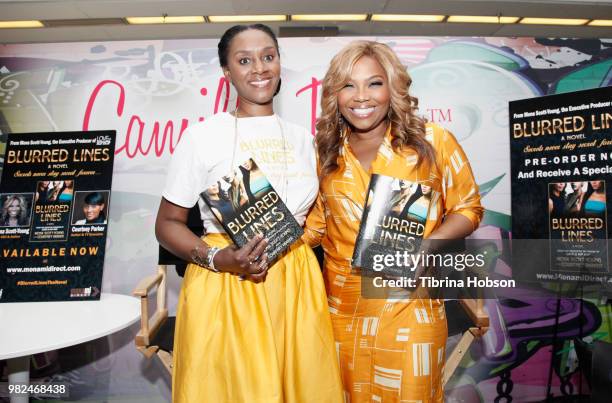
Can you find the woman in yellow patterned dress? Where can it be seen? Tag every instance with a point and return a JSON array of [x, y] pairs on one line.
[[267, 339], [390, 350]]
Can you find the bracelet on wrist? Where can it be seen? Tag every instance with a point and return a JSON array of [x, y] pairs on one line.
[[210, 257], [205, 258]]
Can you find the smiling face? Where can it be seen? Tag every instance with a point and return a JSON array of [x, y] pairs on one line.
[[364, 101], [248, 165], [253, 67], [14, 209], [92, 211]]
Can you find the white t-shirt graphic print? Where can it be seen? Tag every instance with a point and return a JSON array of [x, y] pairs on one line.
[[205, 152]]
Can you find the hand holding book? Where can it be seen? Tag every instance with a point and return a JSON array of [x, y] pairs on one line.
[[250, 261], [254, 216]]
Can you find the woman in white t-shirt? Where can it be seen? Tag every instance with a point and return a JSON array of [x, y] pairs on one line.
[[267, 338]]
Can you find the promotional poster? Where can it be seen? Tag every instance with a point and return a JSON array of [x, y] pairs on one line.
[[246, 204], [55, 198], [561, 162]]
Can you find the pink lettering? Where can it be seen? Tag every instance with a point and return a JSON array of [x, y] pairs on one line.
[[440, 115], [94, 95], [136, 140], [314, 84], [223, 84]]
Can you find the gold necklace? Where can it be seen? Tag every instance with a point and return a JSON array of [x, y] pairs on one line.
[[284, 179]]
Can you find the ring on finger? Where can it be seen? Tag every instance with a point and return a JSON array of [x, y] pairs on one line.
[[254, 268], [262, 267]]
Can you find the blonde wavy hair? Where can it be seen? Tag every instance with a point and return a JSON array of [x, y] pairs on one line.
[[408, 129], [23, 209]]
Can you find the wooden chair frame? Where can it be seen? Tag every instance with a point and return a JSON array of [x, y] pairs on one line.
[[149, 326], [475, 310]]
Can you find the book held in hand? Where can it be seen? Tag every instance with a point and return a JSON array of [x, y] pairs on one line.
[[246, 204], [392, 226]]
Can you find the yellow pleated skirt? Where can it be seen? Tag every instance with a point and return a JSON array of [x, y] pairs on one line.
[[237, 341]]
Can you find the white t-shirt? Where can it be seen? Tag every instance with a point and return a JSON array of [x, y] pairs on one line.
[[204, 156]]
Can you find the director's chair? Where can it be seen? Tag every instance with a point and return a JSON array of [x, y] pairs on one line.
[[156, 334], [466, 316]]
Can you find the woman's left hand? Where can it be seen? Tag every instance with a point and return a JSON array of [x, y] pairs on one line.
[[258, 277]]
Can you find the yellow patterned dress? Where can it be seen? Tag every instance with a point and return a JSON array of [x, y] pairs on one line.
[[390, 350]]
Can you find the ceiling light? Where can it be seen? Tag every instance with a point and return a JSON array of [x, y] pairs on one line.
[[83, 22], [246, 18], [309, 31], [486, 19], [554, 21], [600, 23], [21, 24], [329, 17], [166, 20], [407, 18]]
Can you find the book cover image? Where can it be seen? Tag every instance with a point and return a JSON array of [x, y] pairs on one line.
[[52, 207], [393, 221], [246, 204], [577, 226]]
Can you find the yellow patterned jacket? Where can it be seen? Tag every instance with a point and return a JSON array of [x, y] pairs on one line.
[[334, 219]]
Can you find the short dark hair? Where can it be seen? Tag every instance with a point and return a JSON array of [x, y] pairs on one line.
[[226, 39], [94, 198]]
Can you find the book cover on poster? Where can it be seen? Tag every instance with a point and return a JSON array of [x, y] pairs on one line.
[[561, 165], [393, 222], [55, 200], [577, 219], [246, 204]]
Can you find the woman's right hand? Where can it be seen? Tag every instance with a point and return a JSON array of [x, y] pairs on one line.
[[250, 261]]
